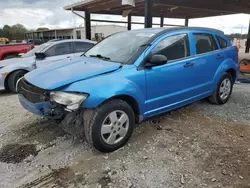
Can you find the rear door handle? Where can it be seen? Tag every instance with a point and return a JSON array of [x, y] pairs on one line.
[[188, 65], [219, 56]]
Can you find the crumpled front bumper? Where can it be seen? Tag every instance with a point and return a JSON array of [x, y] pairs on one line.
[[46, 109], [71, 122]]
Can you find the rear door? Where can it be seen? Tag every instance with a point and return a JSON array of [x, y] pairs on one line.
[[56, 53], [81, 47], [208, 58]]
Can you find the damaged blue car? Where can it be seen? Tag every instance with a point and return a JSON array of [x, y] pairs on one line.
[[129, 77]]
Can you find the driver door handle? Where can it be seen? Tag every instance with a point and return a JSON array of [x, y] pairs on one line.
[[188, 65]]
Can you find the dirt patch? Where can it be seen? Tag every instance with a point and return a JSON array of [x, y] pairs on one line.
[[43, 132], [57, 178], [16, 153]]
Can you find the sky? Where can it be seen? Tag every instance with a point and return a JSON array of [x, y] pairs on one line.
[[50, 13]]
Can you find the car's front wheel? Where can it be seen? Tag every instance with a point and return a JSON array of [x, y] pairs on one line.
[[110, 126], [13, 78], [223, 91]]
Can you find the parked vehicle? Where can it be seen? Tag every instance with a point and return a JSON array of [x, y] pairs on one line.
[[4, 40], [129, 77], [48, 53], [36, 42], [12, 50], [244, 60]]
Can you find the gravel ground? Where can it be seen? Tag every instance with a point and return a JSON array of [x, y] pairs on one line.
[[201, 145]]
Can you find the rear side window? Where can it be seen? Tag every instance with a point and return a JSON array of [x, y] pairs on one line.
[[59, 49], [204, 43], [222, 42], [82, 46], [173, 47]]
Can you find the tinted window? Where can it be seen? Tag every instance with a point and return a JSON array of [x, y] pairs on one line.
[[222, 42], [173, 47], [204, 43], [59, 49], [82, 46]]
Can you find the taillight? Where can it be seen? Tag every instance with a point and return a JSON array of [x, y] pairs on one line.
[[237, 52], [237, 49]]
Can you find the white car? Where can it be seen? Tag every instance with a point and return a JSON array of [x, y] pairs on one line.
[[51, 52]]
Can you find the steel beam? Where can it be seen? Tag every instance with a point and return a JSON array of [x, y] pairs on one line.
[[129, 22], [248, 40], [148, 13], [87, 25], [186, 21], [162, 21]]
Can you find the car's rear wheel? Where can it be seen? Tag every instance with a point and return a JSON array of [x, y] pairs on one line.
[[110, 126], [223, 91], [13, 78]]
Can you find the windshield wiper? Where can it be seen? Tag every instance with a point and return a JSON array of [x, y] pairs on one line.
[[100, 56]]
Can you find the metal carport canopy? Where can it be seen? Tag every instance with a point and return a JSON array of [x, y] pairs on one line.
[[166, 8], [161, 8]]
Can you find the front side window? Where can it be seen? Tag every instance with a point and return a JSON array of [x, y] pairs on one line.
[[222, 42], [59, 49], [82, 46], [204, 43], [173, 47]]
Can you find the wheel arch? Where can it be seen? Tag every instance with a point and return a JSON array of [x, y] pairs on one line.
[[130, 100], [7, 77], [228, 66], [9, 53], [233, 74]]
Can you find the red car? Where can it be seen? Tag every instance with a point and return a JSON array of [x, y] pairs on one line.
[[12, 50]]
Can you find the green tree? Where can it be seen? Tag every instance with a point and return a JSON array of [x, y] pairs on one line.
[[18, 31], [7, 32], [1, 32]]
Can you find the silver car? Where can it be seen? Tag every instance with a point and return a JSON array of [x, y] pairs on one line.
[[48, 53]]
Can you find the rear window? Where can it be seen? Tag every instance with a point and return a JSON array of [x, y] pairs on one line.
[[204, 43], [222, 42]]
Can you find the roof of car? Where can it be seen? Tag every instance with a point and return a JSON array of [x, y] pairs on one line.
[[73, 40], [164, 29], [52, 43]]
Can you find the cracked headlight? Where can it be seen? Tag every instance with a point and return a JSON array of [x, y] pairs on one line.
[[71, 100]]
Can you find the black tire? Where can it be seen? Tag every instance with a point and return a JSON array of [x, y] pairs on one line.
[[9, 56], [216, 98], [93, 120], [13, 78]]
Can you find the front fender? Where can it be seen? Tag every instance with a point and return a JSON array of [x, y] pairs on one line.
[[13, 67], [104, 87], [225, 66]]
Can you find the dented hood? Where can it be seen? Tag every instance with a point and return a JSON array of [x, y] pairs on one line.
[[70, 71]]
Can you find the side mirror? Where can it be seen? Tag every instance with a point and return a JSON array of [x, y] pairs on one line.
[[40, 56], [156, 60]]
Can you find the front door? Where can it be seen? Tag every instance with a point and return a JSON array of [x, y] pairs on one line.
[[175, 83], [56, 53]]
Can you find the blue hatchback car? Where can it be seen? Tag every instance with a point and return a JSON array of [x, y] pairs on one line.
[[129, 77]]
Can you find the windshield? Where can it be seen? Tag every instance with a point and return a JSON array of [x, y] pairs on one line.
[[36, 49], [120, 47]]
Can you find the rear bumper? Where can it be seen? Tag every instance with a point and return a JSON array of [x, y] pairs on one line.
[[2, 80]]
